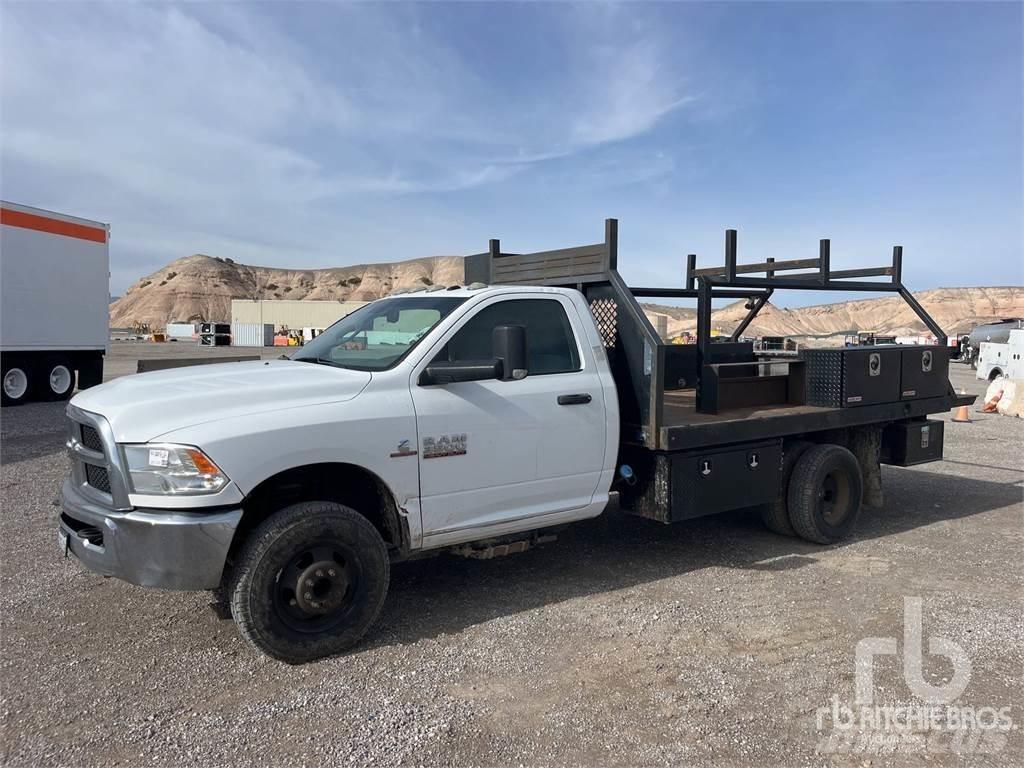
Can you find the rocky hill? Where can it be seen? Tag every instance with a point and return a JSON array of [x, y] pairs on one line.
[[201, 287], [956, 310]]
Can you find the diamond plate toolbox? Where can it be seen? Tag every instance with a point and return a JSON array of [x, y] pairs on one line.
[[852, 376]]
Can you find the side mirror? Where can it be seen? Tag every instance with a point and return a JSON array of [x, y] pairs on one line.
[[509, 345]]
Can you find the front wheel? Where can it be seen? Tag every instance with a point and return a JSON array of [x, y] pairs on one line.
[[309, 581]]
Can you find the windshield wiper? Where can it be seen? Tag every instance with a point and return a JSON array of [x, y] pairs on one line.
[[319, 360]]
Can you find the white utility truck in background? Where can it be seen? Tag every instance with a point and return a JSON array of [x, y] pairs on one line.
[[55, 283], [995, 359], [475, 420]]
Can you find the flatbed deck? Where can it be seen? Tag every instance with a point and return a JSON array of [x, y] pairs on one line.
[[685, 427]]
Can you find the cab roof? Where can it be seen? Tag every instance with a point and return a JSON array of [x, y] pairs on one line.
[[476, 289]]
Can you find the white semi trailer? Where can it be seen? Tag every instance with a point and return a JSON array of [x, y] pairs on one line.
[[55, 283]]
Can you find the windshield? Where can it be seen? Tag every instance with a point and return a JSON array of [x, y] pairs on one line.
[[377, 336]]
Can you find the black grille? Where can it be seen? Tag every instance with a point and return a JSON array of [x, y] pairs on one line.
[[91, 439], [97, 477], [605, 314]]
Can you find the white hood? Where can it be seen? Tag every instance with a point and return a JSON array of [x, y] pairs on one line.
[[140, 408]]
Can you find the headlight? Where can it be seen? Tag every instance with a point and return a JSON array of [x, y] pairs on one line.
[[166, 469]]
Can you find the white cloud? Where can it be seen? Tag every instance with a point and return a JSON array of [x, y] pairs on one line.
[[197, 125]]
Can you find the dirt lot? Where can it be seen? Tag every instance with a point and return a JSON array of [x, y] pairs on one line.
[[623, 643]]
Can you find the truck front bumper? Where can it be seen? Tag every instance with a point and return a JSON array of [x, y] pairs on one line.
[[171, 549]]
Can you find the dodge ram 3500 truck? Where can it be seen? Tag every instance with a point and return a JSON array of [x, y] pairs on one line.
[[471, 419]]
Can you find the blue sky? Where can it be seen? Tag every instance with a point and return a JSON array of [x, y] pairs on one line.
[[316, 134]]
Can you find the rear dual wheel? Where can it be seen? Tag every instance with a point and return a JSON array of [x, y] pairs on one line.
[[820, 492], [824, 494], [775, 515]]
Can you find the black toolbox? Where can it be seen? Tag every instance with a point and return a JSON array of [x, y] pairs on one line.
[[681, 360], [924, 371], [852, 376], [906, 443]]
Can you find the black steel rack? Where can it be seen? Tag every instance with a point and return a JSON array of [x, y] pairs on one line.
[[640, 358]]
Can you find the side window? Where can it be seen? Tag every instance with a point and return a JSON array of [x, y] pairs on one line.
[[550, 344]]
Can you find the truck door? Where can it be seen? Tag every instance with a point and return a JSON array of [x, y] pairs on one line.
[[494, 451]]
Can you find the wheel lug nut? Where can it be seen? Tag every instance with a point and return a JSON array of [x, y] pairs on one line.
[[309, 582], [319, 573], [308, 595], [331, 572]]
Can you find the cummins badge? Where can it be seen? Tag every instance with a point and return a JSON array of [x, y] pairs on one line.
[[445, 445]]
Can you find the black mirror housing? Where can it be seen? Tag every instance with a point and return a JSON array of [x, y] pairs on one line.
[[509, 345]]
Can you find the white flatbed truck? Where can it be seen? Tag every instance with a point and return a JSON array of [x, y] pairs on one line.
[[475, 420], [55, 278]]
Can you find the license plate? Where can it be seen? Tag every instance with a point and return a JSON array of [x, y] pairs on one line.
[[62, 542]]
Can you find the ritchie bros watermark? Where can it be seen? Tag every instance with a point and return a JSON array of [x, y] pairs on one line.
[[933, 721]]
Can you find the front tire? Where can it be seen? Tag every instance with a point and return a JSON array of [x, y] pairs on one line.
[[825, 493], [309, 581]]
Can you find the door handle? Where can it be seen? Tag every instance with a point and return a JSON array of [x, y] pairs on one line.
[[580, 399]]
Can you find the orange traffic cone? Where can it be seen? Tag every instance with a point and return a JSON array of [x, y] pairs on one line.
[[962, 415]]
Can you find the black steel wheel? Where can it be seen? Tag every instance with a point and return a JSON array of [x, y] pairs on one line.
[[825, 493], [775, 514], [309, 581]]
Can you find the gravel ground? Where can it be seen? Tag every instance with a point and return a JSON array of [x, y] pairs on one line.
[[622, 643]]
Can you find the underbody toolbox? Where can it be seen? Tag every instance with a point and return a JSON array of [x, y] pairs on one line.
[[695, 483], [853, 376], [906, 443]]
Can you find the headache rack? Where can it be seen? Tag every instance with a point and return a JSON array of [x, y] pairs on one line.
[[666, 388]]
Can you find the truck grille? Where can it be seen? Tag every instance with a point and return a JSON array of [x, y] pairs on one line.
[[91, 439], [96, 465], [97, 477]]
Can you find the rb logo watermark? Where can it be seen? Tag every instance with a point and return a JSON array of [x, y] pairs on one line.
[[933, 723]]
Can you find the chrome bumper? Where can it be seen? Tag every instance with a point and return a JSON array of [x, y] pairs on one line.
[[167, 549]]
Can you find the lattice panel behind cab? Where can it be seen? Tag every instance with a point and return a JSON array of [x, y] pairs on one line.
[[605, 313]]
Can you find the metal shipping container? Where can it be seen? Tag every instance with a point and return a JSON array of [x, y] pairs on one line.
[[180, 331], [252, 335]]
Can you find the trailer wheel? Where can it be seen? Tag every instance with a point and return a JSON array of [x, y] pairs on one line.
[[309, 581], [825, 493], [775, 514], [60, 380], [17, 382]]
